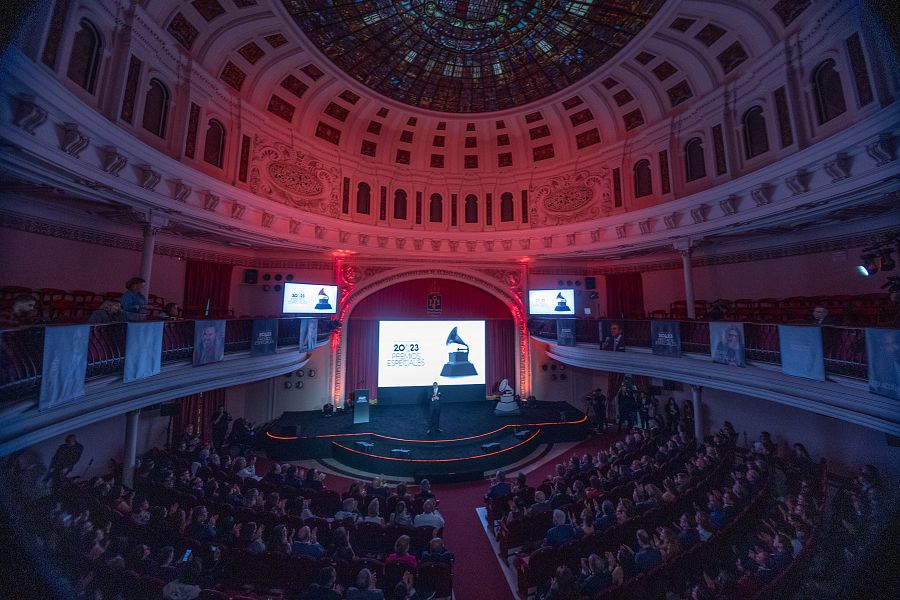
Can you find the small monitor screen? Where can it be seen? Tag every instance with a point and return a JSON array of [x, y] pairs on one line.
[[560, 303], [310, 298]]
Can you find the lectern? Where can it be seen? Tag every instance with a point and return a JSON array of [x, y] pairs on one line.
[[360, 406]]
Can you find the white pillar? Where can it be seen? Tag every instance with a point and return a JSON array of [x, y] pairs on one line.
[[688, 282], [131, 435], [696, 391], [147, 254]]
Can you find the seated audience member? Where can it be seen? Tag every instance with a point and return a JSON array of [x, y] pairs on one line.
[[246, 468], [607, 518], [401, 552], [169, 311], [340, 548], [515, 509], [647, 555], [436, 552], [424, 490], [164, 568], [364, 587], [349, 511], [313, 479], [133, 300], [109, 312], [22, 313], [499, 487], [688, 536], [560, 532], [378, 488], [561, 496], [540, 504], [429, 517], [563, 585], [373, 512], [189, 441], [595, 575], [250, 537], [401, 515], [306, 544], [404, 589], [202, 527], [326, 587], [820, 316], [185, 587]]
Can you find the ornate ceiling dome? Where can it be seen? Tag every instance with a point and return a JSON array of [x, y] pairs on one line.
[[470, 56]]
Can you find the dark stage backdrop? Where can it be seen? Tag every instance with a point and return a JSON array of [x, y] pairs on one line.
[[407, 301]]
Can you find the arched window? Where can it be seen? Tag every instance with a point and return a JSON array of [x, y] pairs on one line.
[[214, 146], [400, 204], [756, 140], [507, 210], [471, 208], [694, 163], [828, 91], [156, 108], [643, 180], [436, 209], [84, 61], [363, 197]]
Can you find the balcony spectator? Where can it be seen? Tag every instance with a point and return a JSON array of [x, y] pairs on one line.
[[22, 313], [170, 311], [820, 316], [133, 300], [109, 312]]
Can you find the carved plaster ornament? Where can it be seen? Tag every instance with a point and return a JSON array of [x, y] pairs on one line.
[[237, 210], [29, 116], [344, 236], [292, 177], [210, 201], [383, 241], [471, 245], [181, 190], [453, 244], [113, 161], [418, 244], [149, 178], [838, 168], [645, 226], [400, 243], [267, 219], [363, 239], [573, 197], [798, 182], [525, 243], [881, 149], [570, 239], [436, 245], [294, 226], [762, 195], [671, 221], [320, 232], [489, 245], [698, 214], [73, 142], [729, 205], [507, 244], [621, 231], [548, 241]]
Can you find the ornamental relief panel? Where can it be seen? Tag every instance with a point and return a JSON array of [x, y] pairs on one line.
[[289, 176], [571, 198]]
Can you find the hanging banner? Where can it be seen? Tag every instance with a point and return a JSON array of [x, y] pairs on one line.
[[726, 343], [264, 338], [309, 330], [612, 335], [143, 350], [665, 338], [565, 332], [801, 351], [65, 364], [209, 342], [883, 352]]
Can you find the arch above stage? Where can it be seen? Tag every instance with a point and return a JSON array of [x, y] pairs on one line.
[[359, 283]]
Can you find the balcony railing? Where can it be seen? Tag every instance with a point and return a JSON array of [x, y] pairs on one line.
[[844, 347], [22, 350]]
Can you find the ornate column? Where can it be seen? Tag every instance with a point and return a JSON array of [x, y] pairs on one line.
[[696, 392], [684, 248], [131, 433], [151, 224]]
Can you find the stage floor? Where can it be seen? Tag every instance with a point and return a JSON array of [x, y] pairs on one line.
[[410, 422]]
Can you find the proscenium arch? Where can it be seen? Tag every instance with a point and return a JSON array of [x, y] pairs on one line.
[[353, 294]]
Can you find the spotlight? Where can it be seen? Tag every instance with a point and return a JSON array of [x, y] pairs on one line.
[[869, 265], [862, 270]]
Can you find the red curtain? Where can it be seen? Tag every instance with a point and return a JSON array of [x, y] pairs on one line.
[[362, 356], [500, 339], [206, 282], [198, 409], [625, 296]]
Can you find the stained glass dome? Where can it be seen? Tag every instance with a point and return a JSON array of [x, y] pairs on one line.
[[469, 56]]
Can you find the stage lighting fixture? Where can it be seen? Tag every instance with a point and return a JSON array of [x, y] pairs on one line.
[[862, 270], [870, 263]]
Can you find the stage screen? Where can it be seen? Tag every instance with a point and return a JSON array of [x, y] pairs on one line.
[[417, 353], [309, 298], [551, 302]]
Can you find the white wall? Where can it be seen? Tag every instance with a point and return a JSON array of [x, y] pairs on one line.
[[105, 440], [804, 275], [40, 261]]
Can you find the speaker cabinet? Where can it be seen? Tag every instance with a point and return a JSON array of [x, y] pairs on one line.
[[251, 275], [590, 283]]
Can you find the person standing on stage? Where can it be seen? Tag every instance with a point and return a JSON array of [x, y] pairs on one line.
[[435, 421]]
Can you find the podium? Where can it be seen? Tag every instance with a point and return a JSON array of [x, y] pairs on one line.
[[360, 406]]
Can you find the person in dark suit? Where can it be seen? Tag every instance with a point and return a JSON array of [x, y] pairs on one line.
[[561, 531], [615, 341], [820, 316], [435, 410], [647, 556], [220, 426], [499, 487], [66, 456], [595, 575]]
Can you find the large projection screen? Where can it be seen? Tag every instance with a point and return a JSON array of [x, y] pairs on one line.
[[413, 354]]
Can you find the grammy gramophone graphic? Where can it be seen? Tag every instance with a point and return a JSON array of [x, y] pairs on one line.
[[561, 305], [323, 304], [458, 364]]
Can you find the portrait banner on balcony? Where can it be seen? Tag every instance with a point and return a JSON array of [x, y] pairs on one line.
[[65, 364], [612, 335], [565, 332], [143, 350], [726, 343], [801, 351], [309, 329], [883, 352], [665, 338], [209, 342], [264, 338]]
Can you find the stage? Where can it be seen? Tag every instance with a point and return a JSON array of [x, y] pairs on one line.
[[395, 441]]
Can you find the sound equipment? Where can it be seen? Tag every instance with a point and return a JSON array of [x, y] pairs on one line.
[[287, 431], [491, 447], [251, 275], [590, 283]]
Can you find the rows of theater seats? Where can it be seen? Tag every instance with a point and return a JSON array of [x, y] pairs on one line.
[[851, 310], [70, 306]]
